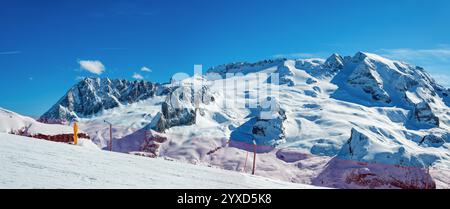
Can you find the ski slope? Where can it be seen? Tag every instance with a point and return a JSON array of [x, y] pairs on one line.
[[32, 163]]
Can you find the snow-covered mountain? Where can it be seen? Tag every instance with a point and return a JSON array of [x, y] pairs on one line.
[[361, 108], [93, 95]]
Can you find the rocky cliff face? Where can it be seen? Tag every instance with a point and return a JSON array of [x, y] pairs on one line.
[[245, 67], [92, 95], [322, 68], [265, 127], [373, 147], [181, 107], [424, 114], [269, 123]]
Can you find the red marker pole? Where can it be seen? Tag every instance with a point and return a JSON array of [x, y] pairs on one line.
[[110, 137], [254, 157]]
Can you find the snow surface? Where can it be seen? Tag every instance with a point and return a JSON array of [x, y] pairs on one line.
[[32, 163]]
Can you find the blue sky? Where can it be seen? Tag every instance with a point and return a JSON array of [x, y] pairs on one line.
[[43, 43]]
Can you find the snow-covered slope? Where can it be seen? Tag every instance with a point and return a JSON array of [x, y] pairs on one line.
[[29, 163], [11, 122], [371, 80], [362, 108]]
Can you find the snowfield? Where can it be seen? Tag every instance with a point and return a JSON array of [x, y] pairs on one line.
[[32, 163]]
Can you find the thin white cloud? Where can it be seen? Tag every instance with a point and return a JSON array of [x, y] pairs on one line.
[[296, 55], [78, 78], [442, 54], [10, 52], [93, 66], [442, 79], [138, 76], [111, 49], [146, 69], [435, 60]]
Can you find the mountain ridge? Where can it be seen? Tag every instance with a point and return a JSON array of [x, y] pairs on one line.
[[92, 95], [64, 109]]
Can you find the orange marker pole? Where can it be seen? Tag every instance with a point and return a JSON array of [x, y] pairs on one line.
[[75, 133]]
